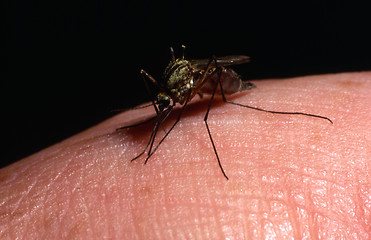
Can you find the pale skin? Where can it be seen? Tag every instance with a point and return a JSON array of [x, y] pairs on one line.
[[289, 176]]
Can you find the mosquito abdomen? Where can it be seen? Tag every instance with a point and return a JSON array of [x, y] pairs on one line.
[[230, 80]]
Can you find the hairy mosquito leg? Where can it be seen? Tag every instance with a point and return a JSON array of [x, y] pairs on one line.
[[175, 123]]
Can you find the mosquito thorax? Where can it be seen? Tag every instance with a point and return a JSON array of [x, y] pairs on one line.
[[178, 79], [163, 101]]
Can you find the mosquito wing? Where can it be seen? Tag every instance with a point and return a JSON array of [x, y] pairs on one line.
[[221, 61]]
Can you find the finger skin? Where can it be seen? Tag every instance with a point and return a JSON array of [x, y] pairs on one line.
[[290, 176]]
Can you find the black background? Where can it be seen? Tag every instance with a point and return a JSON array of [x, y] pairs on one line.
[[69, 63]]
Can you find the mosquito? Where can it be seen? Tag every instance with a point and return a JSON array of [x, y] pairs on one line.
[[183, 79]]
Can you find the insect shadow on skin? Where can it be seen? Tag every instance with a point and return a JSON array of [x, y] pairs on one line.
[[182, 80]]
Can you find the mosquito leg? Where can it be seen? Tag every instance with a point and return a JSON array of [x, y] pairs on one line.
[[208, 129], [149, 141], [159, 121], [145, 75], [175, 123], [269, 111], [141, 107], [119, 110], [154, 132]]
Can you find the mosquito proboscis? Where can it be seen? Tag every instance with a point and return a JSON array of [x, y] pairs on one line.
[[183, 79]]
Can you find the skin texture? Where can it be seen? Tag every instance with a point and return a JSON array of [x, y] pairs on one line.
[[290, 176]]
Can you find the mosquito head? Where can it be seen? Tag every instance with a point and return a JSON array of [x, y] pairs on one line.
[[163, 101]]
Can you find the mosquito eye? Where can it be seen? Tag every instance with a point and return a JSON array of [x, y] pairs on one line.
[[163, 101]]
